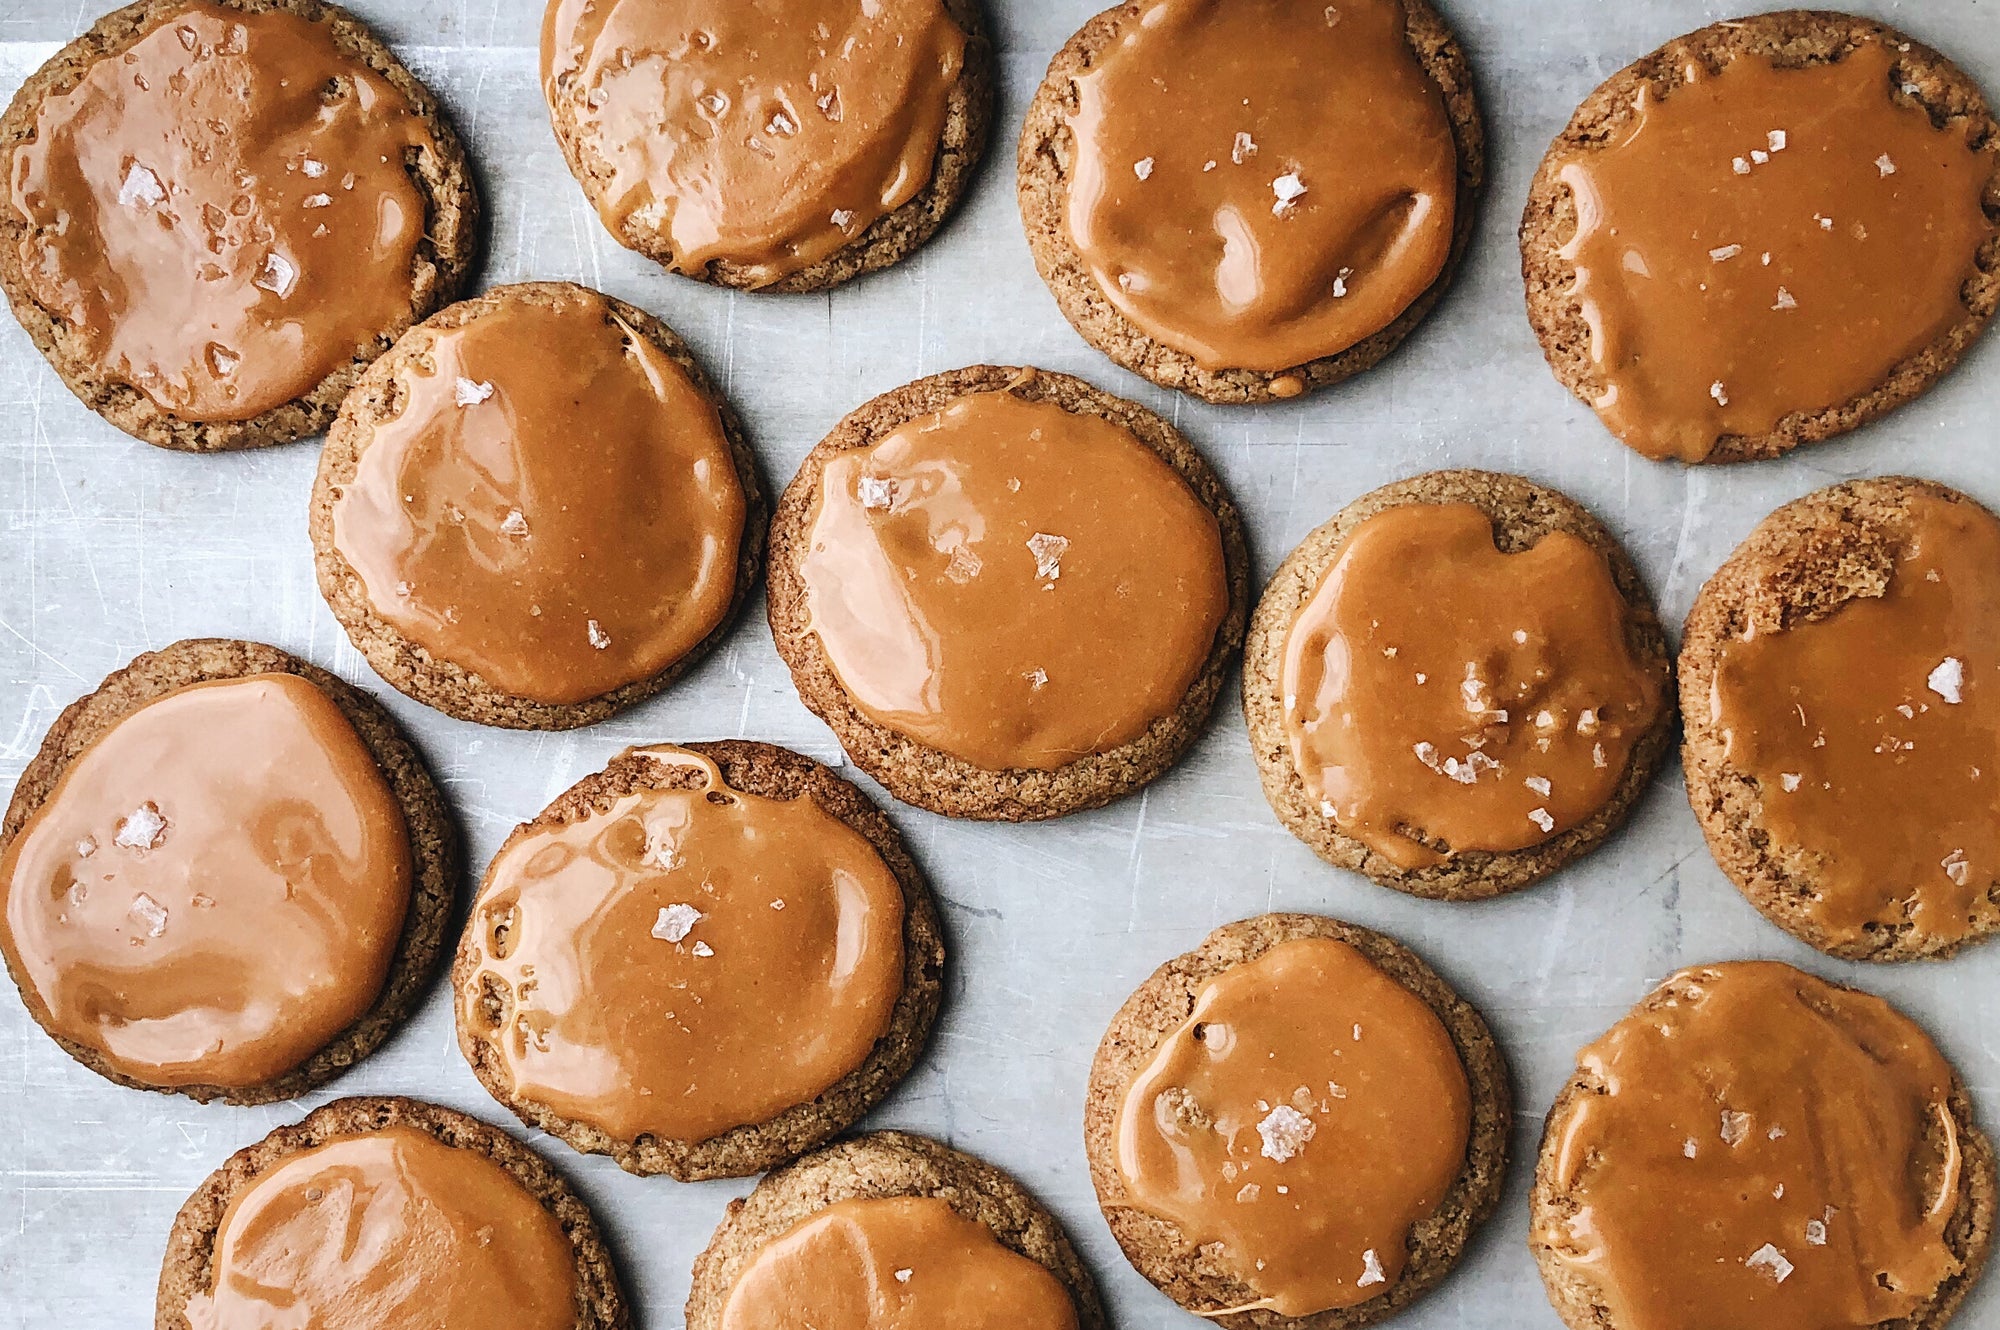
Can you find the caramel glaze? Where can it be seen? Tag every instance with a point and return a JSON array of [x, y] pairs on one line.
[[681, 962], [222, 213], [1261, 183], [1767, 241], [553, 504], [388, 1230], [1012, 583], [1309, 1112], [1873, 734], [1756, 1147], [213, 890], [755, 133], [1441, 696], [894, 1263]]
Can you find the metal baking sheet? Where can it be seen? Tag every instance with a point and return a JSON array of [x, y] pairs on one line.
[[108, 548]]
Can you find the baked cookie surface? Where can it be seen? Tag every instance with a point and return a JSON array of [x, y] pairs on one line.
[[1010, 594], [222, 210], [163, 915], [1812, 185], [1504, 691], [536, 510], [702, 961]]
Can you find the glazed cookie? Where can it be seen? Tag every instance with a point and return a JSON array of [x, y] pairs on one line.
[[701, 961], [222, 210], [1011, 595], [1457, 685], [226, 874], [785, 147], [420, 1217], [1254, 200], [1764, 234], [890, 1228], [1755, 1146], [1296, 1126], [536, 510], [1846, 770]]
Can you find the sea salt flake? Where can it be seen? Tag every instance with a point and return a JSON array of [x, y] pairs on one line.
[[1340, 283], [1048, 551], [1825, 223], [781, 125], [1777, 139], [1689, 1148], [1948, 679], [842, 217], [1143, 168], [1244, 147], [1597, 758], [150, 913], [777, 905], [1037, 678], [703, 950], [1740, 165], [1790, 780], [964, 565], [676, 921], [1248, 1193], [1956, 868], [1816, 1232], [903, 1276], [141, 829], [1759, 156], [1735, 1127], [1769, 1259], [1719, 393], [1540, 817], [471, 392], [140, 188], [279, 275], [1724, 253], [317, 201], [598, 637], [1776, 1133], [1371, 1270], [516, 523], [1285, 1131], [877, 492], [1885, 165], [86, 847], [1539, 784], [1785, 300], [1289, 189]]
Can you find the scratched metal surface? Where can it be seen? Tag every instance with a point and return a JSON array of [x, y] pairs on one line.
[[108, 548]]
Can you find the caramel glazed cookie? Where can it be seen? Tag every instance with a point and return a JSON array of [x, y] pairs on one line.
[[536, 510], [1009, 594], [1764, 234], [891, 1228], [1753, 1146], [1846, 767], [1457, 685], [701, 961], [1297, 1125], [787, 147], [1248, 201], [392, 1213], [226, 874], [220, 211]]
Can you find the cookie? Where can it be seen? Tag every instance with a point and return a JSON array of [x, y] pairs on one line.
[[378, 1202], [1842, 771], [1329, 1162], [778, 151], [1255, 201], [1764, 234], [670, 926], [877, 1187], [1755, 1146], [184, 802], [536, 510], [1045, 651], [1506, 696], [223, 210]]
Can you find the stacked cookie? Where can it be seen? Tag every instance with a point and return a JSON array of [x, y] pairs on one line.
[[1012, 596]]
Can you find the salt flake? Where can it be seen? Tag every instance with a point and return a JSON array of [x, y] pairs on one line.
[[1948, 679], [598, 637], [1785, 300], [1371, 1270], [1540, 817], [141, 829], [150, 913], [1048, 551], [141, 188], [1772, 1261], [1143, 168], [471, 392], [676, 921], [1285, 1131], [1885, 165]]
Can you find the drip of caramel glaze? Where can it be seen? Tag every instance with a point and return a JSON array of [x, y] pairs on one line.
[[1309, 1112], [894, 1263], [1761, 1149], [388, 1230], [1767, 241], [1011, 583], [682, 962], [1874, 734], [1261, 183], [761, 134], [553, 506], [1440, 693], [214, 889], [221, 214]]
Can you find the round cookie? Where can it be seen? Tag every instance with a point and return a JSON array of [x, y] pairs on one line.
[[453, 686], [1198, 1277], [442, 242], [876, 242], [189, 1271], [1792, 40], [1045, 175], [1522, 514], [922, 774], [774, 773], [1867, 619], [433, 837], [886, 1164], [1774, 1214]]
